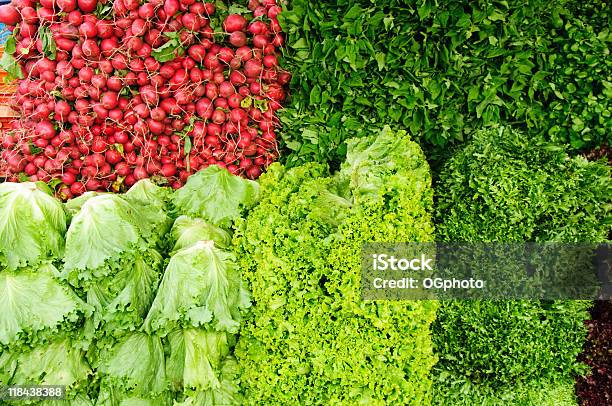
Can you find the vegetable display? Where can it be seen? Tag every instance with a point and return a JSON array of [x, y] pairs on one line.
[[127, 305], [114, 92], [193, 196]]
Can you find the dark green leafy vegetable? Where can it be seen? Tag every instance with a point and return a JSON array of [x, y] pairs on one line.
[[443, 69], [501, 187]]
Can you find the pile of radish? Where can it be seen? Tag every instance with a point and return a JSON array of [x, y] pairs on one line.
[[114, 92]]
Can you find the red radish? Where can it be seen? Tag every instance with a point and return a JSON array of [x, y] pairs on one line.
[[9, 15], [87, 6], [234, 22], [171, 7], [238, 39], [67, 5]]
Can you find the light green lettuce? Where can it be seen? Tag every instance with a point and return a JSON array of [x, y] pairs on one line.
[[32, 225], [216, 195], [134, 367], [195, 358], [122, 300], [187, 230], [201, 287], [227, 393], [34, 301], [61, 362]]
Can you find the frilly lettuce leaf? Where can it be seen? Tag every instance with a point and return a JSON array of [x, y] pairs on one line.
[[187, 230], [73, 206], [216, 195], [227, 393], [32, 225], [32, 301], [105, 228], [135, 365], [108, 228], [195, 358], [60, 362], [112, 396], [121, 301], [151, 202], [371, 163], [201, 285]]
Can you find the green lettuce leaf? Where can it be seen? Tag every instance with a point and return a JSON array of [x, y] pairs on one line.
[[151, 202], [228, 392], [195, 358], [121, 301], [104, 228], [32, 225], [374, 164], [216, 195], [187, 230], [73, 206], [135, 365], [34, 301], [60, 362], [113, 396], [201, 285]]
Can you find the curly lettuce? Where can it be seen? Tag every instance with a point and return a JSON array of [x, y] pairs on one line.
[[201, 286], [216, 195], [122, 300], [195, 358], [61, 362], [309, 337], [32, 225]]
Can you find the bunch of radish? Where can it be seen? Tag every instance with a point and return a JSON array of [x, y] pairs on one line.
[[114, 92]]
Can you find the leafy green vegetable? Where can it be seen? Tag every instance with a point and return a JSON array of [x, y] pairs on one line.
[[49, 48], [201, 286], [60, 362], [309, 337], [106, 227], [186, 231], [8, 61], [133, 368], [122, 300], [443, 69], [228, 392], [195, 359], [501, 187], [216, 195], [33, 302], [32, 225]]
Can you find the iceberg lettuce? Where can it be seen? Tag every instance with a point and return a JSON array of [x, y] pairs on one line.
[[216, 195], [33, 302], [32, 225], [201, 286]]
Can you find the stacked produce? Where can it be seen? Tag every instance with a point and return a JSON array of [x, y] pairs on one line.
[[41, 317], [111, 93], [92, 307], [501, 187], [197, 309], [310, 339]]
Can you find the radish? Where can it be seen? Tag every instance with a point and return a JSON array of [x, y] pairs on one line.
[[66, 5], [234, 22], [9, 15], [87, 6]]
